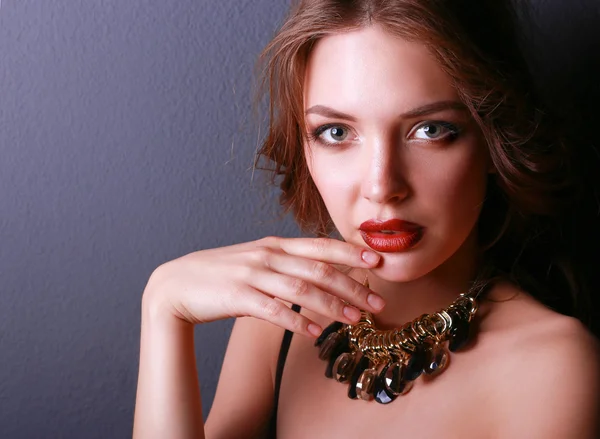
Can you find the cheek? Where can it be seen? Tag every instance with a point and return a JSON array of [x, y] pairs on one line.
[[458, 187], [334, 183], [337, 187]]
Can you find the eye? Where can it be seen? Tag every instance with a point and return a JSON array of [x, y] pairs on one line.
[[436, 131], [331, 134]]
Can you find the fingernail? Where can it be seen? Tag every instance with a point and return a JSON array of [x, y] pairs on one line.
[[375, 301], [370, 257], [314, 329], [352, 313]]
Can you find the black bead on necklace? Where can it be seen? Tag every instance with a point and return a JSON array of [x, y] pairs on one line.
[[383, 365]]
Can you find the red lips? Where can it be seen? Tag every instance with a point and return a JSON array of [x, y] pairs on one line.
[[394, 235]]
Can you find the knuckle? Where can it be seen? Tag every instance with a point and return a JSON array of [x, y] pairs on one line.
[[269, 241], [262, 255], [332, 304], [357, 292], [319, 244], [272, 308], [265, 253], [321, 270], [299, 287], [297, 322]]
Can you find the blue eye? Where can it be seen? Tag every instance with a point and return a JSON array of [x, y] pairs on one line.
[[330, 134], [437, 131]]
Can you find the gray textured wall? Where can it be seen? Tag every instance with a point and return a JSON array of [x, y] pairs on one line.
[[127, 140]]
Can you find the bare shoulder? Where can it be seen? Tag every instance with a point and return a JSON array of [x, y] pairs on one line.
[[548, 371], [244, 396]]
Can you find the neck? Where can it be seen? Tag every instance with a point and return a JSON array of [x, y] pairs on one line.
[[408, 300]]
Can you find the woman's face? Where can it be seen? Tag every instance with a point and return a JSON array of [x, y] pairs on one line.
[[390, 139]]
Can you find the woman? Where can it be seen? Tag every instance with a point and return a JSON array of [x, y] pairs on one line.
[[408, 127]]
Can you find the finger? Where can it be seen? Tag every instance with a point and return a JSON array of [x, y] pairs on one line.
[[328, 250], [326, 278], [305, 294], [265, 307]]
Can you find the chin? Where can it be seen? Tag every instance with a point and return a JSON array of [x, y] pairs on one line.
[[405, 266], [402, 268]]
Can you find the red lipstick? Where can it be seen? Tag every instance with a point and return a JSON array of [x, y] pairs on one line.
[[394, 235]]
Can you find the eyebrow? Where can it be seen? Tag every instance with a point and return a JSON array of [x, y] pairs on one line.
[[415, 112]]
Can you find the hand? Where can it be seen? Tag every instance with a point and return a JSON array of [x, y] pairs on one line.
[[248, 279]]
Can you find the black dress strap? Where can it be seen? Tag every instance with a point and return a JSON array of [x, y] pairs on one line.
[[285, 346]]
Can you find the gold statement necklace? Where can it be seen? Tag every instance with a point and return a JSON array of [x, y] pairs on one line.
[[382, 365]]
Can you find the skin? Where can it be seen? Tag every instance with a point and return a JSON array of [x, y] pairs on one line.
[[389, 166], [530, 373]]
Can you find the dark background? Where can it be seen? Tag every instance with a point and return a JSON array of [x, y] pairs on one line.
[[127, 140]]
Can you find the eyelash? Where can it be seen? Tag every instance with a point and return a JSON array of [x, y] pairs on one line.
[[453, 132]]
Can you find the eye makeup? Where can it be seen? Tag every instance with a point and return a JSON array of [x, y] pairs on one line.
[[336, 134]]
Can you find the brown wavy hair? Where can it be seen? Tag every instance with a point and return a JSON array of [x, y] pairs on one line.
[[476, 43]]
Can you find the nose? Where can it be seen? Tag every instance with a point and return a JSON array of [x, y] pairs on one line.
[[384, 178]]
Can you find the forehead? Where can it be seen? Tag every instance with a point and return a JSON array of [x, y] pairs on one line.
[[371, 72]]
